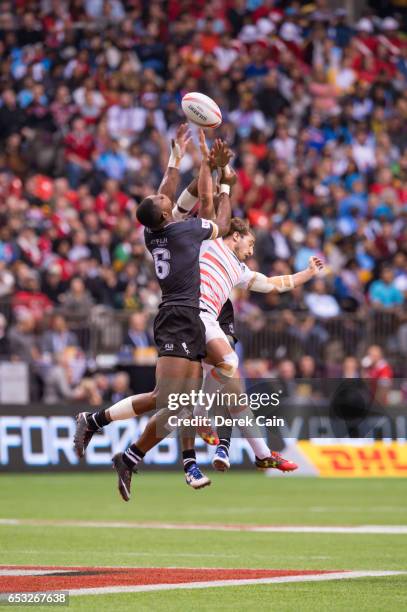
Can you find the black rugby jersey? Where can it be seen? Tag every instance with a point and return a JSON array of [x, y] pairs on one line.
[[175, 250]]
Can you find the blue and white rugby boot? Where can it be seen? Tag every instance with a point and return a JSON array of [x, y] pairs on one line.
[[194, 477], [220, 460]]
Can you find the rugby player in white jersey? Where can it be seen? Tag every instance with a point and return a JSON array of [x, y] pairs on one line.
[[222, 268]]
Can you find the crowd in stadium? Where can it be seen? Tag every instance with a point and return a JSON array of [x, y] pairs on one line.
[[314, 108]]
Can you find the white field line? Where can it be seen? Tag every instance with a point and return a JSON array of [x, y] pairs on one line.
[[29, 572], [226, 583], [351, 529]]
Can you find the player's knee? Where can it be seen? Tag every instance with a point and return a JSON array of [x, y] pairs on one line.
[[229, 365], [152, 397]]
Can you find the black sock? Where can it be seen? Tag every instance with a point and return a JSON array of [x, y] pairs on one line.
[[224, 444], [96, 420], [132, 456], [188, 458]]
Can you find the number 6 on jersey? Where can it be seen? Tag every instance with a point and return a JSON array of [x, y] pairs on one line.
[[161, 257]]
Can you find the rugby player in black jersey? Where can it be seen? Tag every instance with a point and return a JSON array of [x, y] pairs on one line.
[[178, 330]]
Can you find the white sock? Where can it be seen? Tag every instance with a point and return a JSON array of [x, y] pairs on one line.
[[122, 410], [258, 445]]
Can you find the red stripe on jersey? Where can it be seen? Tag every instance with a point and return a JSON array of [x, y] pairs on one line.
[[233, 263], [217, 263], [206, 297], [204, 282], [209, 275]]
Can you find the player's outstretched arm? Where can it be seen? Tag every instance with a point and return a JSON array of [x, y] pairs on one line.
[[219, 157], [179, 144], [264, 284], [205, 187], [186, 201], [224, 212]]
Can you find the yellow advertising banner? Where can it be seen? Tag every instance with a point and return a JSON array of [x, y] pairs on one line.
[[357, 460]]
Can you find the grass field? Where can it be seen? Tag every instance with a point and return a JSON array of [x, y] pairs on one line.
[[235, 498]]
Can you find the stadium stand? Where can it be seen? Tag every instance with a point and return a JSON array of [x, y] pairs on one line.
[[315, 108]]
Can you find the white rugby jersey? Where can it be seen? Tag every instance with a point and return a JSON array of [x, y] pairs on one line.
[[220, 271]]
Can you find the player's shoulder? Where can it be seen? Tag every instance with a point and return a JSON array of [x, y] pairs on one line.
[[198, 222], [245, 267], [246, 273]]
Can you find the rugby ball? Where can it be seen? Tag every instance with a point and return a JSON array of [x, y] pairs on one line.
[[202, 110]]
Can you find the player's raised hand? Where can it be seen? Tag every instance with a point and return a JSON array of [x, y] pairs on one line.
[[203, 145], [220, 154], [228, 176], [180, 142], [316, 265]]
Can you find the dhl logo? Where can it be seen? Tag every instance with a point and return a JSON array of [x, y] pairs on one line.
[[342, 460]]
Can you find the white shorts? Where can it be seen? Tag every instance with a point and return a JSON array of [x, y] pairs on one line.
[[212, 328]]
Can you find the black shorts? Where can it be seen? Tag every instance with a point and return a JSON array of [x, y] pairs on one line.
[[226, 320], [179, 332]]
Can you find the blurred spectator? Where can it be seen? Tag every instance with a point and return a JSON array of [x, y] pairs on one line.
[[384, 293], [307, 367], [138, 345], [137, 334], [311, 336], [58, 337], [79, 249], [5, 346], [58, 382], [120, 387], [350, 368], [30, 299], [6, 280], [112, 162], [23, 339], [374, 364], [88, 393], [286, 378], [77, 300], [53, 285], [320, 302], [376, 368], [257, 368], [12, 117], [79, 145]]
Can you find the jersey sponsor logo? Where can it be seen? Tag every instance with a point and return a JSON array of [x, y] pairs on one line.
[[185, 347], [168, 346]]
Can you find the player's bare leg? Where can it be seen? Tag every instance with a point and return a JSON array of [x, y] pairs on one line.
[[89, 423], [225, 362], [174, 375], [264, 457]]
